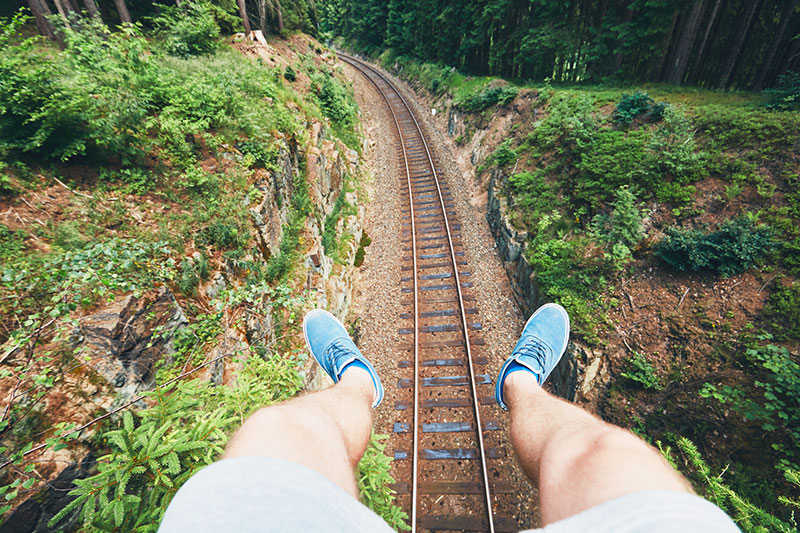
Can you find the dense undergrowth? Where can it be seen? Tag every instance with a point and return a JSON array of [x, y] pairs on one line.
[[610, 184], [151, 140]]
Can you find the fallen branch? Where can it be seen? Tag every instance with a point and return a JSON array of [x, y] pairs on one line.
[[72, 190], [682, 299], [767, 283]]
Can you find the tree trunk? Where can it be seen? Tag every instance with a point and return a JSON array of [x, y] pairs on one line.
[[243, 14], [701, 52], [45, 29], [280, 14], [786, 14], [660, 72], [91, 7], [261, 5], [687, 38], [122, 9], [740, 34], [62, 11]]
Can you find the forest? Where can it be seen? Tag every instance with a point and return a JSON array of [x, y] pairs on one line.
[[743, 44]]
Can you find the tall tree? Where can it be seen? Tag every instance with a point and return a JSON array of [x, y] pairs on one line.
[[279, 14], [766, 64], [242, 13], [684, 49], [62, 10], [701, 51], [91, 7], [40, 13], [740, 35], [122, 9]]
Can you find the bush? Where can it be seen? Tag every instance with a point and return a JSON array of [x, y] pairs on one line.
[[784, 309], [736, 246], [189, 31], [333, 99], [289, 73], [623, 229], [486, 98], [631, 106], [786, 95], [640, 370]]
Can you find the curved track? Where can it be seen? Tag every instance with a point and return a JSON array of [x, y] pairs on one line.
[[448, 481]]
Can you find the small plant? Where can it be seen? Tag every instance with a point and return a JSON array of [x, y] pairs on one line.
[[786, 95], [373, 484], [783, 308], [733, 190], [289, 73], [641, 371], [736, 246], [623, 229], [631, 106]]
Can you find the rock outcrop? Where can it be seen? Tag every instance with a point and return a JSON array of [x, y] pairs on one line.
[[125, 339]]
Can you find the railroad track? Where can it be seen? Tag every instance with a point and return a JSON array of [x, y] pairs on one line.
[[443, 457]]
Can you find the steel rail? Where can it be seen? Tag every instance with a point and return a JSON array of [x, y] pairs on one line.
[[357, 65], [464, 325]]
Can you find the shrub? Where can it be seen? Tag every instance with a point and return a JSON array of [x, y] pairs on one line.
[[333, 99], [736, 246], [786, 95], [289, 73], [502, 156], [373, 484], [622, 229], [640, 370], [154, 451], [631, 106], [223, 236], [188, 31], [486, 98], [784, 309], [749, 517], [608, 161]]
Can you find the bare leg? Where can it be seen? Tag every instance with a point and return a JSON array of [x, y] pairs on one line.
[[578, 460], [326, 431]]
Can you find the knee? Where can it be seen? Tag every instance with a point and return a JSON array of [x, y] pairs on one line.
[[578, 447]]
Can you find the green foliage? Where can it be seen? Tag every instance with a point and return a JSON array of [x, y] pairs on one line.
[[774, 401], [289, 73], [373, 484], [567, 274], [502, 156], [632, 106], [333, 99], [733, 248], [361, 252], [193, 271], [189, 30], [11, 243], [333, 245], [280, 264], [485, 98], [223, 236], [157, 449], [786, 95], [622, 230], [641, 371], [783, 308], [749, 517]]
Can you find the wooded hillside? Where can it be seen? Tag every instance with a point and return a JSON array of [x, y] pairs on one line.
[[744, 44]]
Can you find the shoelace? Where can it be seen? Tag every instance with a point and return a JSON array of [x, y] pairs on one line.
[[537, 350], [336, 349]]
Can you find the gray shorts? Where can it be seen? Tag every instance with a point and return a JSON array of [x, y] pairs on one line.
[[263, 494]]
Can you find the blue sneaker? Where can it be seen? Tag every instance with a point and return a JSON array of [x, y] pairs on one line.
[[331, 346], [540, 347]]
